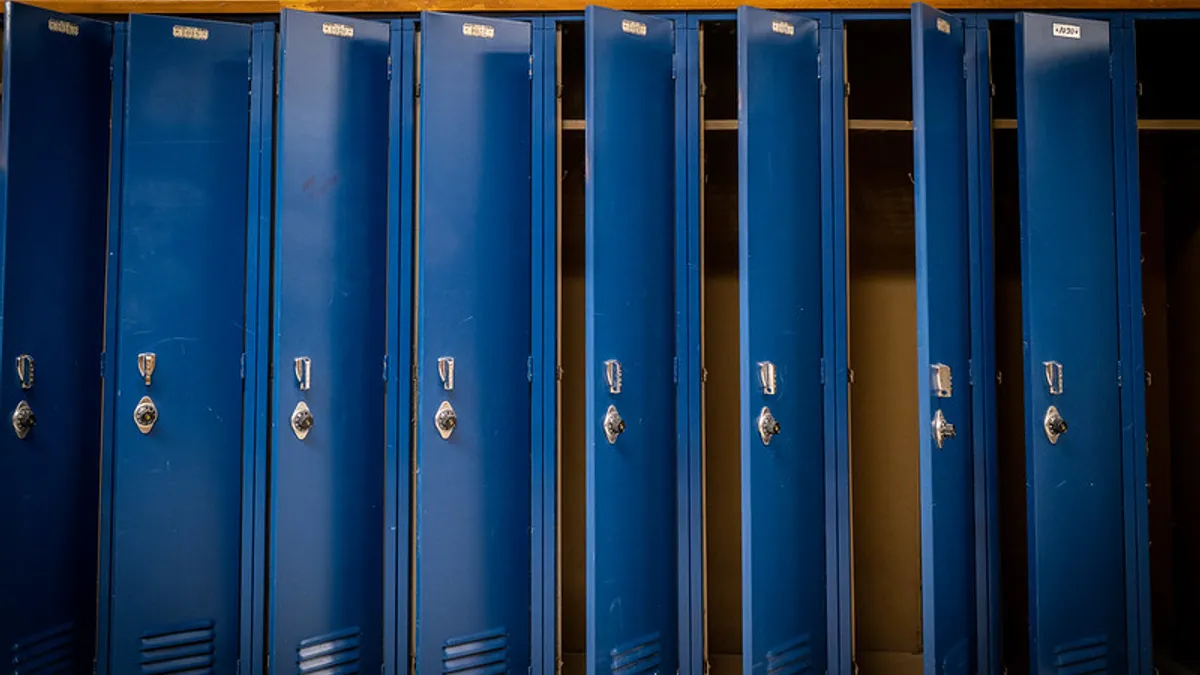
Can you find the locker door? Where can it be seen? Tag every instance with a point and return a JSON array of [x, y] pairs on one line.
[[473, 323], [944, 340], [1069, 268], [54, 173], [326, 579], [177, 412], [631, 479], [783, 455]]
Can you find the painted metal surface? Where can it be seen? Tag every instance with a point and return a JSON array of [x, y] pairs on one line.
[[473, 518], [1076, 509], [325, 599], [630, 290], [176, 503], [53, 220], [944, 341], [780, 289]]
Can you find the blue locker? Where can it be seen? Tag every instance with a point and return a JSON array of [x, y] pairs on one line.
[[474, 284], [944, 341], [632, 578], [784, 611], [54, 194], [171, 545], [1068, 237], [325, 592]]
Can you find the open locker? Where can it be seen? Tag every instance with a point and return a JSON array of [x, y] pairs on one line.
[[618, 574], [882, 336], [762, 271], [572, 312], [1168, 119], [1054, 251], [910, 407]]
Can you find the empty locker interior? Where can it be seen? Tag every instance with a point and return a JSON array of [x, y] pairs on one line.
[[720, 348], [881, 318], [1169, 171], [572, 424], [1010, 360]]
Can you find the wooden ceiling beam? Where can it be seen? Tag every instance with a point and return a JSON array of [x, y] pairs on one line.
[[399, 6]]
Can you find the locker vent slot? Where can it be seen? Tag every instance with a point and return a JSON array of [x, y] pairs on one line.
[[790, 658], [640, 656], [958, 660], [334, 653], [1082, 657], [479, 654], [51, 651], [182, 649]]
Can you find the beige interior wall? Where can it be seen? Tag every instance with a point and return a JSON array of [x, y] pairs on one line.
[[1010, 401], [883, 400], [573, 390], [722, 399]]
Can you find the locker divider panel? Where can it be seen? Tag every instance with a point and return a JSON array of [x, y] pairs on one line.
[[781, 342], [257, 344], [1076, 508], [943, 259], [53, 196], [177, 413], [401, 140], [326, 551], [632, 575], [474, 344]]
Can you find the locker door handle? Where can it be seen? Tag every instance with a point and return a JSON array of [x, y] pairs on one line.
[[23, 420]]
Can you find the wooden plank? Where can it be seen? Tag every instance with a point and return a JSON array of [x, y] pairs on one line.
[[395, 6]]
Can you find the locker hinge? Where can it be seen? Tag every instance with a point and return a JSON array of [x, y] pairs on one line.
[[845, 88], [818, 58], [242, 366], [529, 368], [103, 364], [110, 69], [822, 371], [965, 67], [675, 370], [992, 89], [703, 89], [558, 372], [970, 373], [558, 90], [239, 667], [531, 66], [417, 90], [674, 65], [850, 375], [1110, 65], [387, 366], [1120, 379], [389, 67]]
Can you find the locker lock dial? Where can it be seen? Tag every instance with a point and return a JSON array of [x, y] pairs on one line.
[[768, 426], [145, 415], [23, 420], [942, 429], [302, 420], [1054, 424], [445, 420], [613, 424]]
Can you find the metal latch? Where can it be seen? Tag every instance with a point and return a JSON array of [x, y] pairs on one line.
[[446, 372], [612, 373], [146, 362], [25, 371], [1054, 377], [302, 366], [942, 380], [766, 377]]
